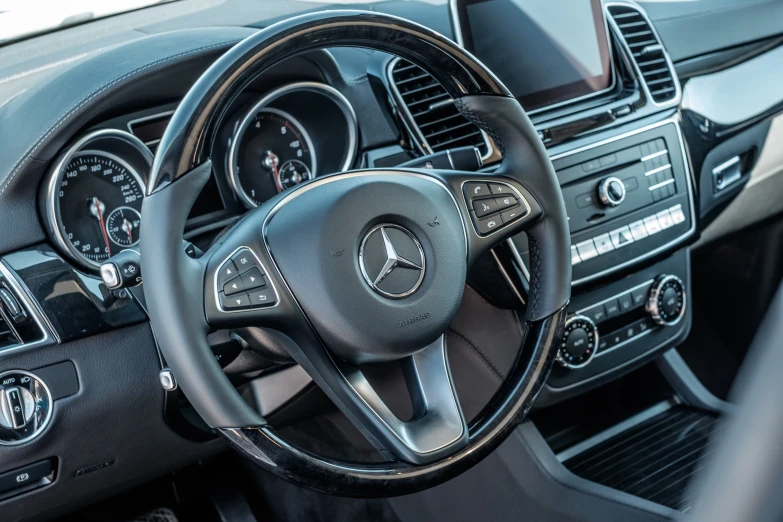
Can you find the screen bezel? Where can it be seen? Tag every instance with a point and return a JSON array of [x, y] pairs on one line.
[[534, 99]]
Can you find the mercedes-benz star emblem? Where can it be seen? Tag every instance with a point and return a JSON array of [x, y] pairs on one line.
[[392, 261]]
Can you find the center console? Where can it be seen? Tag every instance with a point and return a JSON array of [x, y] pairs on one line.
[[629, 201]]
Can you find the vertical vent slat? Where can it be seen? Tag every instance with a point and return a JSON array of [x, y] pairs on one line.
[[647, 51], [432, 110]]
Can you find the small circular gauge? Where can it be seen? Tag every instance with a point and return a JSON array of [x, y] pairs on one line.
[[123, 226], [269, 152], [293, 172]]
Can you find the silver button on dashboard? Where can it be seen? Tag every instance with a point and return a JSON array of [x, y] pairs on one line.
[[586, 250], [603, 243], [638, 231], [665, 219], [651, 225]]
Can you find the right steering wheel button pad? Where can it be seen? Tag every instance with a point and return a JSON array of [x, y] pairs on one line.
[[493, 205], [242, 283]]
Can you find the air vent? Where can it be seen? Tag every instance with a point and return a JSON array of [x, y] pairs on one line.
[[647, 51], [7, 336], [437, 123]]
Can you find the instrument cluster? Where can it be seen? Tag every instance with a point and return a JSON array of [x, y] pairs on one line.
[[92, 199]]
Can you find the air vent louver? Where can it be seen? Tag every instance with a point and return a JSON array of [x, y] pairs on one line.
[[440, 124], [7, 337], [647, 50]]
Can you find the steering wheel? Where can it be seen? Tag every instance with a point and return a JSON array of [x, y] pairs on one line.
[[356, 268]]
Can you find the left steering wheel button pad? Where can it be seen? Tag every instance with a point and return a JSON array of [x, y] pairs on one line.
[[242, 283]]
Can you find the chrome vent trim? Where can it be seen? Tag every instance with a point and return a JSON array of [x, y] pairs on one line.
[[429, 114], [645, 48]]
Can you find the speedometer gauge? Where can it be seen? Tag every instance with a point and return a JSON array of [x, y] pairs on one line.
[[96, 185], [95, 196], [270, 152]]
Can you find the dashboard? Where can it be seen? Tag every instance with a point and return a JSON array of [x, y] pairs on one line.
[[269, 141], [646, 166]]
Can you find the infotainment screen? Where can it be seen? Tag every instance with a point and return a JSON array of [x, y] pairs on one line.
[[547, 52]]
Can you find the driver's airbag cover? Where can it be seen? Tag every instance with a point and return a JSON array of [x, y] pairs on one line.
[[315, 236]]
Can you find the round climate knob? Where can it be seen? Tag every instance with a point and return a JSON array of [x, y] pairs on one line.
[[666, 302], [580, 339], [611, 191]]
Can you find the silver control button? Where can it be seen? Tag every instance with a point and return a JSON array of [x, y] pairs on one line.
[[167, 380], [586, 250], [110, 275], [603, 243], [652, 225], [665, 219], [677, 214], [638, 231], [621, 237], [575, 260]]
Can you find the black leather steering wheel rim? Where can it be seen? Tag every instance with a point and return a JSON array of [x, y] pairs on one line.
[[181, 319]]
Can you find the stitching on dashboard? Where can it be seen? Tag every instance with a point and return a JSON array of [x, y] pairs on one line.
[[29, 154]]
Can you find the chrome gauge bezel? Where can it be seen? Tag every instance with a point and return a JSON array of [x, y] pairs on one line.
[[233, 167], [264, 105], [89, 144]]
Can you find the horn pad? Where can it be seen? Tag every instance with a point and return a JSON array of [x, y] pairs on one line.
[[377, 260]]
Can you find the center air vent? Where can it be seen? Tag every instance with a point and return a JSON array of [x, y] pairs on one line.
[[436, 123], [651, 60]]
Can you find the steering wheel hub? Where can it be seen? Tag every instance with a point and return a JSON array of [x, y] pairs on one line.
[[375, 279]]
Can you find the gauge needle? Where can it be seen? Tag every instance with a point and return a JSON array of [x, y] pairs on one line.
[[97, 208], [270, 161], [127, 227]]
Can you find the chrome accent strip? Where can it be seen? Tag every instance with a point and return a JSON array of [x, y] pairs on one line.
[[618, 428], [52, 206], [492, 154], [21, 292], [655, 155], [659, 169], [319, 88], [661, 184], [675, 80], [670, 244]]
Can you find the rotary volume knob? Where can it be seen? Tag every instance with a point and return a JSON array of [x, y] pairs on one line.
[[580, 339], [666, 302], [611, 191]]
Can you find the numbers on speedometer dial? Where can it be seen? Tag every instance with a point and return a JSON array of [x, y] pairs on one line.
[[100, 201], [272, 152]]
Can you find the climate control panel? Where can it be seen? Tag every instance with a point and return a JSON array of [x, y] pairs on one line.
[[619, 320]]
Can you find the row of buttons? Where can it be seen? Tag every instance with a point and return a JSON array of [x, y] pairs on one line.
[[242, 283], [618, 305], [627, 234], [622, 335], [491, 205]]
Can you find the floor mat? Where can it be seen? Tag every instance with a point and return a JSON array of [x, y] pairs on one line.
[[654, 459], [158, 515]]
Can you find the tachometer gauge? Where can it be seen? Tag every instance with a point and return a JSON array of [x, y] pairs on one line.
[[95, 196], [270, 152]]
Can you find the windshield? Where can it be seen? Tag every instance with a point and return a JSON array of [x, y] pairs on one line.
[[22, 18]]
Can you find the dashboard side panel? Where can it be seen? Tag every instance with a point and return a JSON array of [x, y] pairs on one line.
[[117, 415]]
